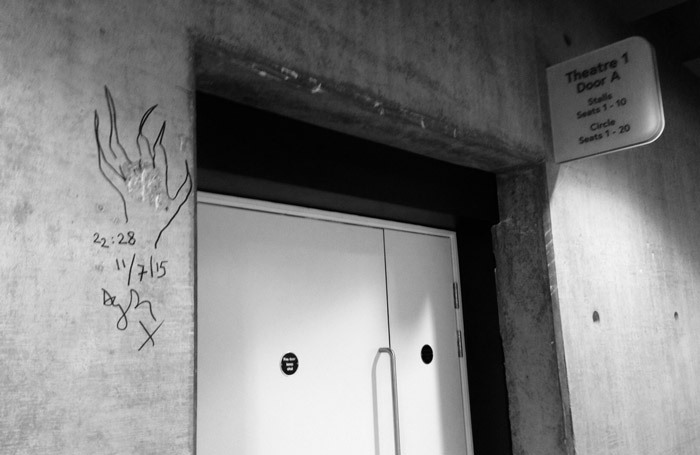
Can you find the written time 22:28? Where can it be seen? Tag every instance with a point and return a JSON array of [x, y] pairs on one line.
[[603, 74]]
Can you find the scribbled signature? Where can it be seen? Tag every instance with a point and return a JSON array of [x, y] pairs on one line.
[[135, 302]]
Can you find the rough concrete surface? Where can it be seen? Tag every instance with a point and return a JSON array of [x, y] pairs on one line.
[[624, 231], [76, 305], [537, 417], [256, 81], [458, 77]]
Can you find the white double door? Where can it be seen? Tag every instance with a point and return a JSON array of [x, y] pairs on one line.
[[293, 311]]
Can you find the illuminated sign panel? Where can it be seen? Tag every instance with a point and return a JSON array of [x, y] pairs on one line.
[[605, 101]]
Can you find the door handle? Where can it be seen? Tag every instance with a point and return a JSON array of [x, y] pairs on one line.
[[394, 398]]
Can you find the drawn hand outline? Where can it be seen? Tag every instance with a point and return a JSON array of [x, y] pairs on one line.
[[142, 184]]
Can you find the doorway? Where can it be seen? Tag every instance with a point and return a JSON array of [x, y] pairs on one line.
[[321, 332], [256, 154]]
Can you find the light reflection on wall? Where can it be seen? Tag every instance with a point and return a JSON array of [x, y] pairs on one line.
[[627, 246]]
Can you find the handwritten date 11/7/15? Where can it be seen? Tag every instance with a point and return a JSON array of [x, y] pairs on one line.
[[128, 239], [143, 269]]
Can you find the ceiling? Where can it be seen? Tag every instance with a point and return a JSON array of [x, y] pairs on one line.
[[672, 26]]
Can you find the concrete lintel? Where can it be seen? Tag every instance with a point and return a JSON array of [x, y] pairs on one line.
[[251, 79]]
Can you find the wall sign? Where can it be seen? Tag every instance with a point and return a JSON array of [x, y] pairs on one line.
[[289, 364], [605, 101]]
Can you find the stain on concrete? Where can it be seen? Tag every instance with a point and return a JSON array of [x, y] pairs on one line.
[[144, 184], [21, 212], [52, 233], [12, 287]]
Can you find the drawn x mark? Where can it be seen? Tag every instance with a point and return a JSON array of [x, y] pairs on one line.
[[150, 335]]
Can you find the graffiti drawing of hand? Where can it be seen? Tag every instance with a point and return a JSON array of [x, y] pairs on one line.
[[142, 182]]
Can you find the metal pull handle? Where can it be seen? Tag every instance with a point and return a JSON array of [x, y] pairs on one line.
[[394, 398]]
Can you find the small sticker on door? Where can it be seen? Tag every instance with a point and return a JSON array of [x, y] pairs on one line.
[[289, 364]]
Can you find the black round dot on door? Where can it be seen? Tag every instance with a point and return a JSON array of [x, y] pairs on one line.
[[289, 363], [426, 354]]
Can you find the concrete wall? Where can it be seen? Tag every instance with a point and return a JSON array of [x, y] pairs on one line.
[[623, 249], [627, 249], [463, 82], [78, 376]]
